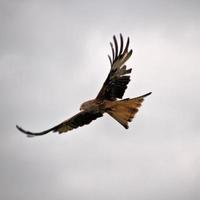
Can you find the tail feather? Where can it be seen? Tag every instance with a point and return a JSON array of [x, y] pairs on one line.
[[124, 110]]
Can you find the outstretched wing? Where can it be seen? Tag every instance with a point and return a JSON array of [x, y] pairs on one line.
[[80, 119], [118, 78]]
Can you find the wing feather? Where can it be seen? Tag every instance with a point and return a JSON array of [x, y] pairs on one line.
[[122, 44], [78, 120], [118, 78], [116, 46]]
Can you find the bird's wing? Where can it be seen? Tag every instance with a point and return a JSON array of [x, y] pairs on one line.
[[118, 78], [80, 119]]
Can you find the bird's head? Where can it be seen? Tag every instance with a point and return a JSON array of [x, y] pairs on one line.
[[86, 105]]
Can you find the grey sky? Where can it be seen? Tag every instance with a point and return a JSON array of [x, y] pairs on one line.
[[53, 57]]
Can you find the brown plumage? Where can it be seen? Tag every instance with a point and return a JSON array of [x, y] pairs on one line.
[[124, 110], [107, 99]]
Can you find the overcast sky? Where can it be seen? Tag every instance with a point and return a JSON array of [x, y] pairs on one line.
[[53, 57]]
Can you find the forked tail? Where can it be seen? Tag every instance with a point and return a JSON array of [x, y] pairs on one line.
[[124, 110]]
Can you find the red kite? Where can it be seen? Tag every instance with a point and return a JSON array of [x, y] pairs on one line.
[[107, 99]]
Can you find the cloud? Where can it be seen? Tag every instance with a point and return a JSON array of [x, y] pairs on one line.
[[53, 57]]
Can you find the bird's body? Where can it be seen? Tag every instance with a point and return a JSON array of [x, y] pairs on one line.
[[108, 99]]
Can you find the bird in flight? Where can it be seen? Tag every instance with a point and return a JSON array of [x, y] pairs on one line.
[[109, 99]]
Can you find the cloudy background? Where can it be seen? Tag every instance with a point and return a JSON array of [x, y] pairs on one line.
[[53, 56]]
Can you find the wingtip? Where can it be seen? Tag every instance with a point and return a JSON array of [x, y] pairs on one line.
[[128, 40], [19, 128], [31, 134], [23, 131]]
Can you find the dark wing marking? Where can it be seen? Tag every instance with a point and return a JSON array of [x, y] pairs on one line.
[[80, 119], [117, 79]]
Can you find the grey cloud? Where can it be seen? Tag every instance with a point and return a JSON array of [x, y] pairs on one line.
[[53, 57]]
